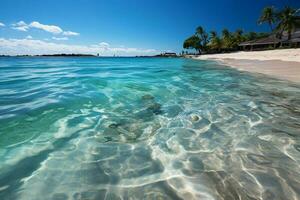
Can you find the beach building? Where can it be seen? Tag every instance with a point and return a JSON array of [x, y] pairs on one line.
[[168, 54], [272, 41]]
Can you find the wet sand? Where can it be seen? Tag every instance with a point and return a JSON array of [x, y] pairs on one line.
[[283, 64], [276, 68]]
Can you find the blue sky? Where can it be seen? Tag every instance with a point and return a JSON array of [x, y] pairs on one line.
[[122, 27]]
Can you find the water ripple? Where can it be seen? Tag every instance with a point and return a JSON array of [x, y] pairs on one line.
[[132, 128]]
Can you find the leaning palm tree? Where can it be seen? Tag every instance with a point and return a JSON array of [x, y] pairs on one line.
[[268, 16], [288, 21]]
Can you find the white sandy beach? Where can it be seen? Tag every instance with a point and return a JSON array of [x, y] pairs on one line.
[[282, 64]]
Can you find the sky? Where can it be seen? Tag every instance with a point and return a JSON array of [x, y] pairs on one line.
[[120, 27]]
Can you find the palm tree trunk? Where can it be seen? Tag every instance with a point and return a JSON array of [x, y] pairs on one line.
[[274, 41], [289, 38], [271, 27], [280, 37]]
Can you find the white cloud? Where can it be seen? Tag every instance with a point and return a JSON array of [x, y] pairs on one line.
[[21, 23], [104, 44], [48, 28], [21, 26], [29, 37], [34, 47], [60, 38], [70, 33], [1, 24]]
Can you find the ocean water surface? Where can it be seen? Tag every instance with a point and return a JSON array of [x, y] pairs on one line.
[[145, 128]]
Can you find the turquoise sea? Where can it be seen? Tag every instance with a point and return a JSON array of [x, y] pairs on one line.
[[145, 128]]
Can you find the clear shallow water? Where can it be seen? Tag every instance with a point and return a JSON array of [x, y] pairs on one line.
[[131, 128]]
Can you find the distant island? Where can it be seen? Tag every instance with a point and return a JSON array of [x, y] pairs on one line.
[[53, 55], [67, 55], [166, 54]]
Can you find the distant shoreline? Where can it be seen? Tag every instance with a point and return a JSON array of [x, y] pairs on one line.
[[282, 64], [91, 55], [52, 55]]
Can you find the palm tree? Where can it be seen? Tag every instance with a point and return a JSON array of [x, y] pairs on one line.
[[237, 38], [288, 21], [204, 41], [251, 36], [225, 33], [227, 38], [239, 35], [200, 32], [193, 42], [213, 34], [215, 41], [268, 16]]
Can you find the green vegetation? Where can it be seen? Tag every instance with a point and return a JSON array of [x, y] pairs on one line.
[[193, 42], [203, 42], [285, 20]]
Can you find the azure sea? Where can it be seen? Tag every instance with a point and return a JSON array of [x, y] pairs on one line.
[[145, 128]]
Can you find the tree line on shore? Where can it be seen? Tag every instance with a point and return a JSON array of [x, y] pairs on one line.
[[285, 20]]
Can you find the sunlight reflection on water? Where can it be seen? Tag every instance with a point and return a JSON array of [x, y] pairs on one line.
[[119, 128]]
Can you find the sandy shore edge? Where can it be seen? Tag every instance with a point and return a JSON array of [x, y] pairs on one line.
[[282, 64]]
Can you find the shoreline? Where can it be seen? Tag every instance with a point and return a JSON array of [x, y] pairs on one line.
[[282, 64]]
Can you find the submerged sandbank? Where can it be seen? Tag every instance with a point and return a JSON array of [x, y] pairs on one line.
[[282, 64]]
